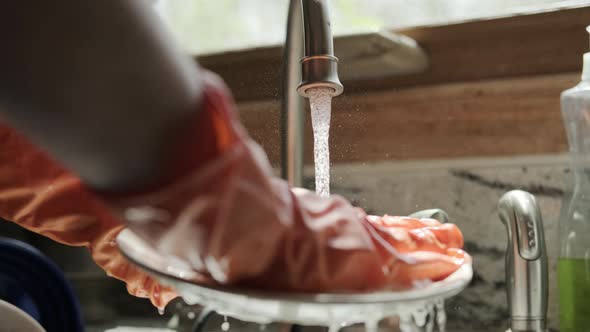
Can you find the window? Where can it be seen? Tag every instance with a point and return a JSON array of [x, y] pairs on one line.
[[204, 26]]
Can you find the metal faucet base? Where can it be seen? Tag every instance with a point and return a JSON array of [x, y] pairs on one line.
[[526, 262], [528, 325]]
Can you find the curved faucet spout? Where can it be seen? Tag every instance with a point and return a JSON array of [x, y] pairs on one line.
[[526, 261], [319, 65], [309, 62]]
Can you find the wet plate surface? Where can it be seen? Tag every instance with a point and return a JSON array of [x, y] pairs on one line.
[[325, 309]]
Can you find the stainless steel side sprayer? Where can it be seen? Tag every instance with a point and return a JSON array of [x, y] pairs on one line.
[[526, 262]]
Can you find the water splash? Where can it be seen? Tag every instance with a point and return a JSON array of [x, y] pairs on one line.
[[320, 100], [427, 315], [432, 317]]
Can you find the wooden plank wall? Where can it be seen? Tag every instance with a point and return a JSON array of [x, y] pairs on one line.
[[498, 117], [492, 89]]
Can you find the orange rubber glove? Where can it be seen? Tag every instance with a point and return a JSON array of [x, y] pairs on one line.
[[236, 224], [43, 197], [222, 211]]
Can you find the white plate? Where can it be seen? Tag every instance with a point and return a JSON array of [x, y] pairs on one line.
[[306, 309], [13, 319]]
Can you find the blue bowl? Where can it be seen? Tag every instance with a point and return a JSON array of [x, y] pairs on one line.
[[32, 282]]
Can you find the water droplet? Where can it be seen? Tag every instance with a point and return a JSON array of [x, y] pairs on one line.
[[173, 322], [441, 315], [405, 322], [420, 316], [191, 315], [430, 323], [225, 325]]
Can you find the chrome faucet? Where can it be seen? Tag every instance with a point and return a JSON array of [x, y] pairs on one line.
[[526, 262], [309, 63]]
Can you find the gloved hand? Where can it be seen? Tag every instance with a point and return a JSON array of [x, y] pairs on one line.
[[236, 224], [221, 210]]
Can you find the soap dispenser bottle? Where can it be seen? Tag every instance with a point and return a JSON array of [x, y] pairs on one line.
[[574, 223]]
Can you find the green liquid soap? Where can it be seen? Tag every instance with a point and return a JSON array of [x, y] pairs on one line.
[[574, 294]]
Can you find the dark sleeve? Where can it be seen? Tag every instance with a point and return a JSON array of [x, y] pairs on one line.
[[99, 85]]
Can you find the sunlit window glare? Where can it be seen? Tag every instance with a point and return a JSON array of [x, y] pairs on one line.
[[205, 26]]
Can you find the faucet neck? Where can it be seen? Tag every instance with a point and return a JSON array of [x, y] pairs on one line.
[[309, 62], [319, 66]]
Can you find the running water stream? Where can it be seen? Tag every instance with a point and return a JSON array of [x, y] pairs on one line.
[[432, 315], [320, 100]]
